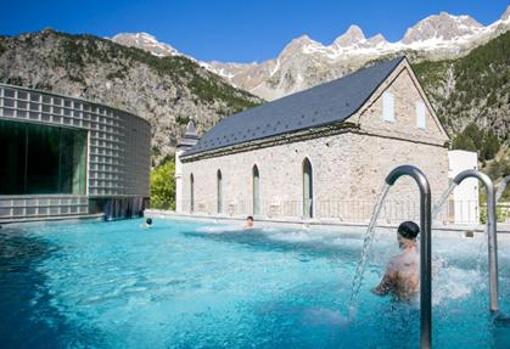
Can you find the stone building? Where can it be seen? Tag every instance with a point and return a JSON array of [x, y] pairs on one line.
[[318, 154]]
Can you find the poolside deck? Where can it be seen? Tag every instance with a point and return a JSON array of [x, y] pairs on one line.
[[318, 222]]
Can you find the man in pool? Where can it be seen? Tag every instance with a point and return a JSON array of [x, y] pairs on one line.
[[401, 277], [249, 223]]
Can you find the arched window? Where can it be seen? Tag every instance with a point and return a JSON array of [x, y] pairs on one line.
[[307, 189], [191, 193], [256, 190], [219, 191]]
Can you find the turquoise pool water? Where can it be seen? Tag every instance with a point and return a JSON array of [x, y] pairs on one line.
[[199, 285]]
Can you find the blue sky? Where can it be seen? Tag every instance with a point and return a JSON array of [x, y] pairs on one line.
[[233, 30]]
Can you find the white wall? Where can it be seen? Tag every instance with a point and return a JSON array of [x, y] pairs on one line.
[[466, 206]]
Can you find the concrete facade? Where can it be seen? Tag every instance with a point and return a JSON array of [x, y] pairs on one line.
[[349, 163], [464, 203]]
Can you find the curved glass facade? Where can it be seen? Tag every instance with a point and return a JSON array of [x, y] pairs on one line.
[[39, 159], [56, 145]]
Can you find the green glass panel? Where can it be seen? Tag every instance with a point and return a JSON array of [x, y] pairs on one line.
[[40, 159]]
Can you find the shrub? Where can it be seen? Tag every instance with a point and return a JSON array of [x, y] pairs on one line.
[[485, 143], [163, 186], [182, 120]]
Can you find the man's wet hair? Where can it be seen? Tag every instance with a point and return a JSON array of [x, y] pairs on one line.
[[148, 221], [249, 218], [409, 230]]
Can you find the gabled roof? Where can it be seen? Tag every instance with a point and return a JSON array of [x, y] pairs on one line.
[[328, 103]]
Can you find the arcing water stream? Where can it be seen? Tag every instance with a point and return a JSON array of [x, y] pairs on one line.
[[367, 243], [442, 200]]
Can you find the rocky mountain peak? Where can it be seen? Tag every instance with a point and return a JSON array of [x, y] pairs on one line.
[[146, 42], [302, 43], [443, 27], [377, 40], [506, 15], [352, 36], [305, 62]]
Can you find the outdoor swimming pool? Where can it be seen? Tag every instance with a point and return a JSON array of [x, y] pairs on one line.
[[184, 284]]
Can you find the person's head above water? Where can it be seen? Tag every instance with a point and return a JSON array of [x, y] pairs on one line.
[[148, 221], [249, 222], [407, 231]]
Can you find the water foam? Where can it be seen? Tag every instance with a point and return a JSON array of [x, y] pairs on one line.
[[452, 283], [218, 229]]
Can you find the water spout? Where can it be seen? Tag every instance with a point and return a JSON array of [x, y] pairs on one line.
[[367, 243], [491, 232], [425, 244], [502, 186], [442, 200]]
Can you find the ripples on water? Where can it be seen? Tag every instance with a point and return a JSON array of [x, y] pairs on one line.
[[182, 284]]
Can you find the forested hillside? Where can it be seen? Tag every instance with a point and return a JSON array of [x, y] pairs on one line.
[[471, 95]]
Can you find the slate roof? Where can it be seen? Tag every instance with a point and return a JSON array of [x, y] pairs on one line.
[[328, 103]]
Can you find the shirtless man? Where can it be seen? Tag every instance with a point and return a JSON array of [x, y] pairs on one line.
[[401, 277]]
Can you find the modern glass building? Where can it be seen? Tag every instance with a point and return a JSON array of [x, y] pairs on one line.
[[62, 156]]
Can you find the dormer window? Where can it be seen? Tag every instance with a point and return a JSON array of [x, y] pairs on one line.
[[420, 115], [388, 107]]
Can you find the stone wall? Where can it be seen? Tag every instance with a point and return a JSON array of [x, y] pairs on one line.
[[348, 168]]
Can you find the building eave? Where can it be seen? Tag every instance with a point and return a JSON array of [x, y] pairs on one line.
[[285, 138]]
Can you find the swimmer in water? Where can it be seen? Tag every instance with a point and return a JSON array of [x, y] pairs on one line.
[[148, 223], [401, 277], [249, 223]]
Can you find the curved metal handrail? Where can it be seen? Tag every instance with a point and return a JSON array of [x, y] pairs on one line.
[[491, 231], [425, 245]]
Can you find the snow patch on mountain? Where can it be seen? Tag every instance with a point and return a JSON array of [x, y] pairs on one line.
[[304, 62], [146, 42]]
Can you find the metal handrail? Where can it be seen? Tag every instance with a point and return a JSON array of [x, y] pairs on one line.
[[425, 245], [491, 231]]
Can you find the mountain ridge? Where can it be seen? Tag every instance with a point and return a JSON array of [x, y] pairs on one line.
[[166, 90], [436, 37]]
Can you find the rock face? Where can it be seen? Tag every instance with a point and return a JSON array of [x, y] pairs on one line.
[[436, 37], [166, 90], [352, 36], [472, 89], [146, 42], [442, 27]]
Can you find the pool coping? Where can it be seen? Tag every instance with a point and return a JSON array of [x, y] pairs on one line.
[[12, 222], [316, 223]]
